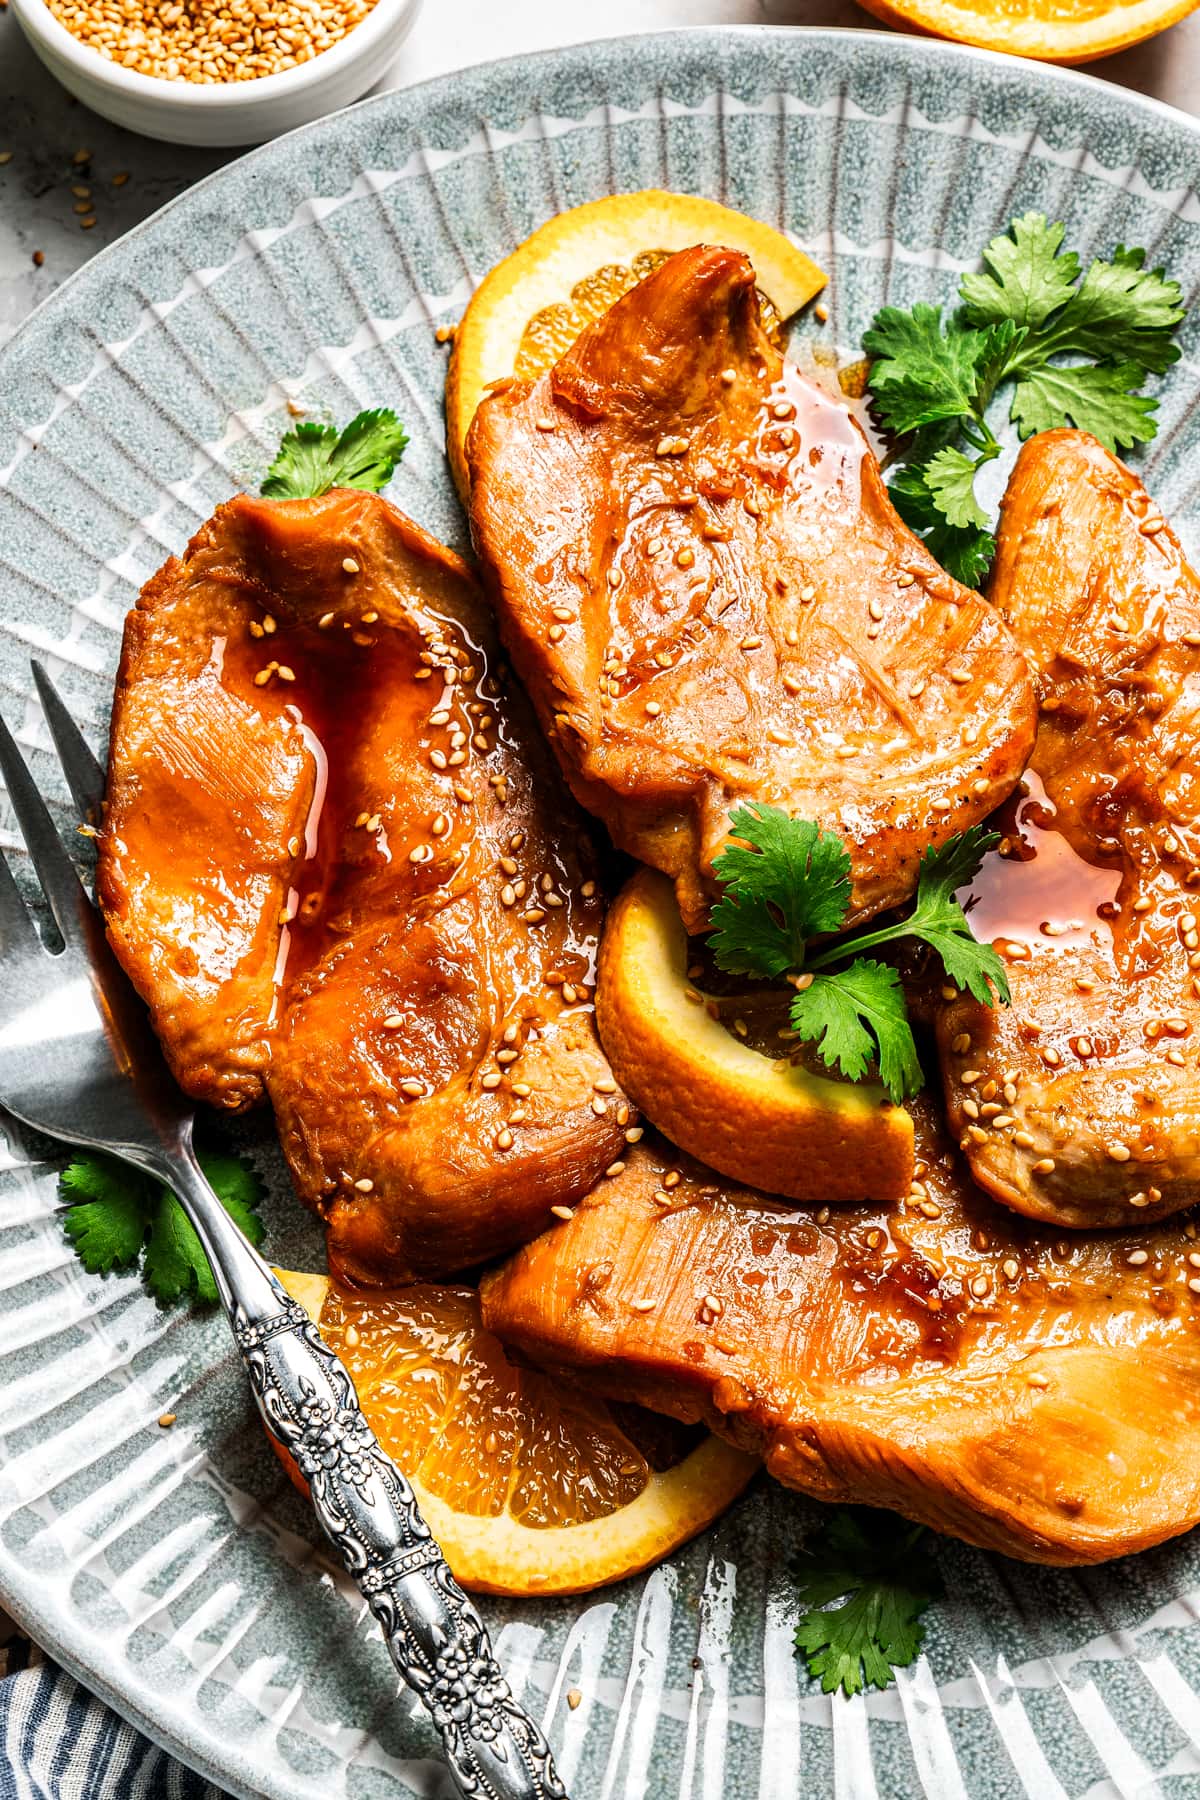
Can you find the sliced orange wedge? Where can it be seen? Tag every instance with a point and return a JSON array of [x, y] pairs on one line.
[[1068, 31], [764, 1119], [530, 1487], [533, 305]]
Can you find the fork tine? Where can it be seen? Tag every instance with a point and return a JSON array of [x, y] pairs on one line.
[[55, 870], [17, 930], [85, 777]]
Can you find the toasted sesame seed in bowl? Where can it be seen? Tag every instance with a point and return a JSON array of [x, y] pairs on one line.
[[215, 72]]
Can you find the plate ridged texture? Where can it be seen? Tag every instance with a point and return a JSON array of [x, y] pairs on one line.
[[175, 1571]]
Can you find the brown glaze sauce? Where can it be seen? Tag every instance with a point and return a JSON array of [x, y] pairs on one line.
[[1037, 890]]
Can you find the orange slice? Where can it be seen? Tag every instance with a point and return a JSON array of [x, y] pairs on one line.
[[530, 1487], [1068, 31], [534, 304], [762, 1119]]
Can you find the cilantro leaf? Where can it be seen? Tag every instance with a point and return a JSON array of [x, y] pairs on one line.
[[859, 1014], [950, 479], [922, 370], [113, 1212], [314, 458], [104, 1218], [1121, 310], [175, 1264], [1077, 348], [1097, 397], [788, 881], [938, 920], [966, 552], [1028, 275], [879, 1568]]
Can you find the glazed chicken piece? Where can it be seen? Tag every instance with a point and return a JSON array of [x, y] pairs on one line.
[[945, 1358], [342, 870], [711, 599], [1094, 906]]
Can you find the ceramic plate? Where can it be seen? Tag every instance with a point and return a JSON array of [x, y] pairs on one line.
[[176, 1572]]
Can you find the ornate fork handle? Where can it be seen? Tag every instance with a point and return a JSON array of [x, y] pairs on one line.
[[368, 1511]]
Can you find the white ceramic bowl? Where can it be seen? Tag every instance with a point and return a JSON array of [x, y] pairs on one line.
[[235, 112]]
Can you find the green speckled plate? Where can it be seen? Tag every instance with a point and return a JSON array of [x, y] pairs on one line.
[[176, 1572]]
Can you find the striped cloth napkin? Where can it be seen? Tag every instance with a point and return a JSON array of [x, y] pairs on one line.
[[58, 1742]]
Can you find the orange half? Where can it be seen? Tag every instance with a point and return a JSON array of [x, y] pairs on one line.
[[1065, 31], [529, 1486], [533, 305]]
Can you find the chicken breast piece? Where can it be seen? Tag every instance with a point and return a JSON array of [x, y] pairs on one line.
[[943, 1357], [711, 599], [1081, 1103], [340, 866]]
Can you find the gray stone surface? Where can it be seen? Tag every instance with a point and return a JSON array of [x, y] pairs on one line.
[[44, 127]]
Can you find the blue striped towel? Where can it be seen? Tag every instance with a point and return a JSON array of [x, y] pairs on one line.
[[58, 1742]]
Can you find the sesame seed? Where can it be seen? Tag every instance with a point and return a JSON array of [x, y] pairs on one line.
[[599, 1107], [167, 1419], [635, 1134], [959, 676], [1010, 1269], [1038, 1380], [685, 557], [1137, 1258], [350, 565], [563, 1212], [490, 1082], [1119, 1152], [412, 1089], [1045, 1166], [504, 1139], [875, 609], [325, 621], [642, 1306], [1152, 524], [653, 708], [364, 1184]]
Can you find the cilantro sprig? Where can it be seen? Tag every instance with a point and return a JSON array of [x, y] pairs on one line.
[[115, 1215], [314, 458], [788, 881], [879, 1570], [1076, 347]]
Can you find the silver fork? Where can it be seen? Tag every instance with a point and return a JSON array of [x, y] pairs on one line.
[[79, 1061]]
